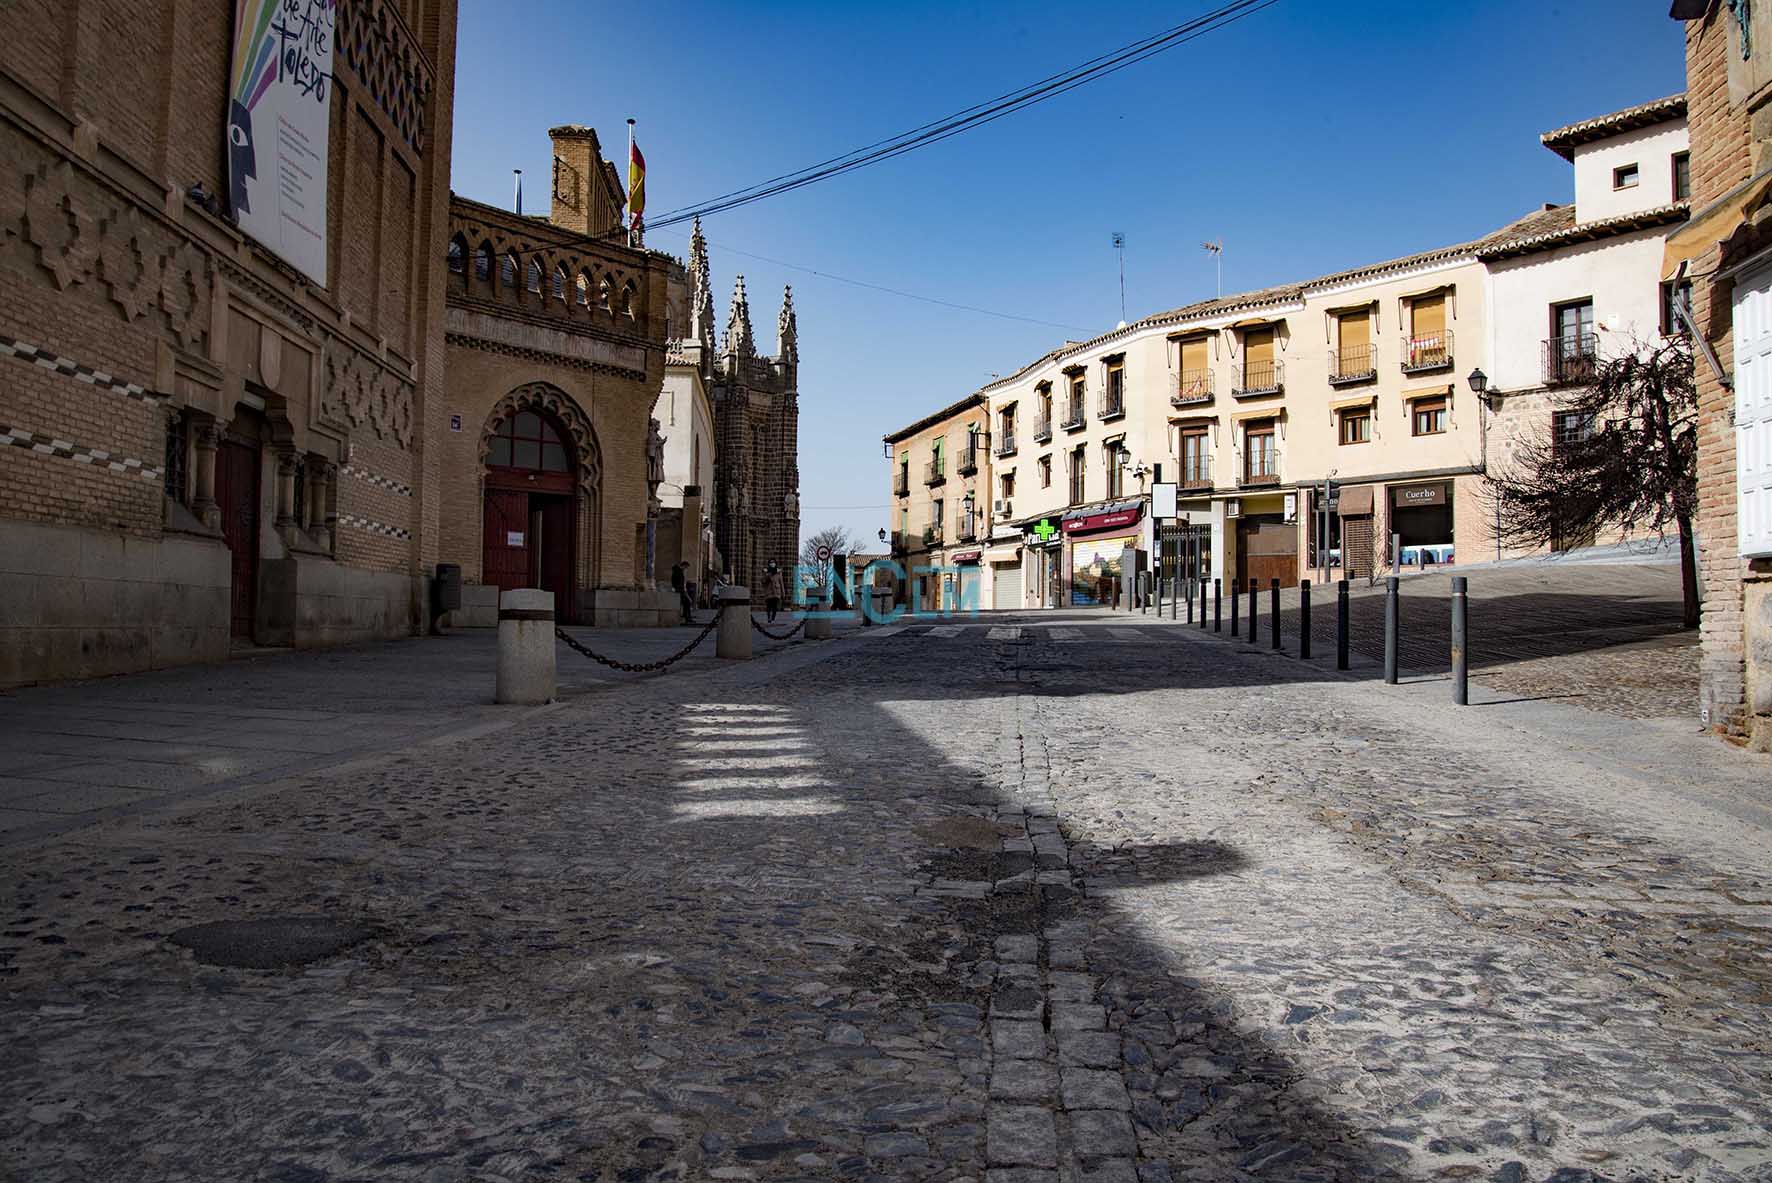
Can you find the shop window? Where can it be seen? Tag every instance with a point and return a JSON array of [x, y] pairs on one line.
[[1429, 416]]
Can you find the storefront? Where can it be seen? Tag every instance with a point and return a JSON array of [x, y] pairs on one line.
[[1095, 545], [1042, 563], [1421, 517], [966, 586], [1004, 563], [1359, 536]]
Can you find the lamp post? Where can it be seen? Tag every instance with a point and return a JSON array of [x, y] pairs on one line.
[[1479, 384]]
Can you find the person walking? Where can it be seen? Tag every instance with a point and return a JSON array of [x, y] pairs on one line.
[[680, 585], [772, 592]]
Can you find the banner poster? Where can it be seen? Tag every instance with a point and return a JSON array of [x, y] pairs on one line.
[[1095, 569], [279, 126]]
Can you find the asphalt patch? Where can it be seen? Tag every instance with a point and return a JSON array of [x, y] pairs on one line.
[[274, 942]]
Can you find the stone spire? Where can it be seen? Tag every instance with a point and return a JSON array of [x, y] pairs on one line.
[[739, 341], [787, 328], [702, 325]]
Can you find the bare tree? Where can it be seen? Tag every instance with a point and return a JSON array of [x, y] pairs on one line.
[[1623, 453], [838, 538]]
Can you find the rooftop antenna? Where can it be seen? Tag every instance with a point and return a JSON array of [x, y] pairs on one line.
[[1217, 249], [1120, 246], [517, 174]]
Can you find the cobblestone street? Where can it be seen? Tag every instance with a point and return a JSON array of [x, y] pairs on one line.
[[1094, 900]]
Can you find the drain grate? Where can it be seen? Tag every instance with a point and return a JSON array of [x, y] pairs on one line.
[[274, 942]]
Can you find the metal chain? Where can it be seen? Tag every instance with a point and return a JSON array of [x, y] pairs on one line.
[[645, 667], [778, 636]]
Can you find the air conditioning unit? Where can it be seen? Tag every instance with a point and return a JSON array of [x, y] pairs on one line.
[[1233, 507], [1002, 508]]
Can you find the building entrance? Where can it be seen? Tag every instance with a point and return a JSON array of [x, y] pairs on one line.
[[530, 511]]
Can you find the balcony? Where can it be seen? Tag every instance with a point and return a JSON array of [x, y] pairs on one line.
[[1261, 469], [1073, 417], [1112, 406], [1432, 352], [901, 483], [968, 460], [1262, 378], [1192, 388], [968, 529], [1196, 472], [1353, 364], [935, 473], [1077, 494], [1006, 445], [1571, 360], [1043, 430], [931, 535]]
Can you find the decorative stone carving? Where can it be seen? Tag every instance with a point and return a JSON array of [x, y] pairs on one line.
[[360, 392], [58, 225], [128, 262], [543, 396], [375, 45], [184, 294]]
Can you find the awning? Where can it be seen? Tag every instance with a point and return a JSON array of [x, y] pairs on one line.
[[1416, 295], [1104, 517], [1356, 500], [1362, 306], [965, 556], [1003, 554], [1410, 396], [1185, 420], [1365, 400], [1714, 222], [1186, 334], [1266, 413], [1253, 322]]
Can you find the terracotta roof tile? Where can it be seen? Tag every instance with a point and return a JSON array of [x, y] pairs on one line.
[[1564, 140]]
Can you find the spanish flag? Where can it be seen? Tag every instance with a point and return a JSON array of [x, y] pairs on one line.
[[636, 183]]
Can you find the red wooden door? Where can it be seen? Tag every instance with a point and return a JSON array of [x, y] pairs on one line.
[[236, 491], [555, 543], [505, 553]]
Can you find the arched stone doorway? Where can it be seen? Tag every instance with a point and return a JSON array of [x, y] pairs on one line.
[[541, 471]]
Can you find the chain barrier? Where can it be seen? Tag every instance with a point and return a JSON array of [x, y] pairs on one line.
[[778, 636], [644, 667]]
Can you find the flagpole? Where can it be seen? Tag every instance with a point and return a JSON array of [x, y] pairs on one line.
[[629, 203]]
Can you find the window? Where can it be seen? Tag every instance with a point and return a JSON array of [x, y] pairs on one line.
[[458, 257], [1116, 471], [1079, 461], [1259, 371], [1682, 175], [1113, 399], [1625, 176], [935, 455], [526, 440], [1045, 472], [534, 276], [935, 508], [1073, 415], [1261, 462], [1356, 425], [1353, 347], [1429, 416], [1196, 460], [1429, 345], [1195, 381], [1046, 409], [1670, 324], [1569, 428]]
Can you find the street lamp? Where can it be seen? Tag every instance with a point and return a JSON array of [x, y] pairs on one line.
[[1479, 383]]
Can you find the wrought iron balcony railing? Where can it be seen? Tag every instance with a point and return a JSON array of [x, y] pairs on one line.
[[1112, 405], [1261, 378], [1073, 417], [968, 529], [1043, 430], [1192, 387], [968, 460], [1571, 359], [1353, 364], [935, 473], [901, 483], [1430, 352], [1196, 472], [931, 535], [1261, 467], [1006, 444]]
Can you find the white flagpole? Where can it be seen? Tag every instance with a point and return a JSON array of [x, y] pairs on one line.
[[627, 202]]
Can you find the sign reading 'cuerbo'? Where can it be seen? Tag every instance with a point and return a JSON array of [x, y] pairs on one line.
[[1419, 495]]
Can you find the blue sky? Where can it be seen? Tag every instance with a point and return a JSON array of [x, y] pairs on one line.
[[1309, 137]]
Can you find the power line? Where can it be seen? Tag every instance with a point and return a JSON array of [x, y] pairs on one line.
[[861, 283], [977, 115]]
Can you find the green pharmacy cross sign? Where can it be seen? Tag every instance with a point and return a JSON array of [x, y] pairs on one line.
[[1045, 530]]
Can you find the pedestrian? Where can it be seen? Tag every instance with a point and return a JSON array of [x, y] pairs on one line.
[[772, 591], [680, 585]]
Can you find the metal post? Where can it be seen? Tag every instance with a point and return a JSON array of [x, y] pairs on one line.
[[1217, 607], [1190, 600], [1304, 619], [1254, 611], [1341, 624], [1460, 622], [1390, 629], [1274, 613], [1236, 599]]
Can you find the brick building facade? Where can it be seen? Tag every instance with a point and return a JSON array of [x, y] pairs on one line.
[[199, 445], [757, 432], [1723, 249]]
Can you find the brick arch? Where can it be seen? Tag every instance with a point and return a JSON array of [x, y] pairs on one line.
[[556, 403]]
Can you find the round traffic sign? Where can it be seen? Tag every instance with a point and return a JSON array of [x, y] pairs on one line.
[[823, 553]]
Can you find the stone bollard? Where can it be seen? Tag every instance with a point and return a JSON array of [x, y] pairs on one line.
[[818, 620], [525, 647], [733, 640]]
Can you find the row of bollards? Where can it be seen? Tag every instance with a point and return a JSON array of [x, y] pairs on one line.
[[1392, 624]]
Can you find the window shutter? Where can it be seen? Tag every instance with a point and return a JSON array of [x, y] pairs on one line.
[[1429, 316], [1258, 348], [1753, 414], [1355, 330], [1193, 355]]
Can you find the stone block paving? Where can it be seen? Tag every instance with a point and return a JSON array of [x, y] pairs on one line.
[[1032, 912]]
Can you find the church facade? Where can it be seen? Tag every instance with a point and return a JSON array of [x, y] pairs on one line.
[[756, 460]]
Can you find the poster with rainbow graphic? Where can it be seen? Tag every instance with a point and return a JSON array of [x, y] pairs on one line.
[[279, 124]]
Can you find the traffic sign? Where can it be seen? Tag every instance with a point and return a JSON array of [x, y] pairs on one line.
[[823, 554]]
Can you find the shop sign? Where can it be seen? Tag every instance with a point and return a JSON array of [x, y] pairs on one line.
[[966, 556], [1414, 495], [1044, 531], [1292, 507], [1101, 521]]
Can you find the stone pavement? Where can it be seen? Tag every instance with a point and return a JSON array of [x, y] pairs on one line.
[[76, 753], [994, 905]]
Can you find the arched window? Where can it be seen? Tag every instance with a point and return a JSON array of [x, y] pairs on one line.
[[603, 294], [584, 290], [483, 263], [535, 276], [529, 440], [458, 257], [560, 282], [627, 300], [507, 272]]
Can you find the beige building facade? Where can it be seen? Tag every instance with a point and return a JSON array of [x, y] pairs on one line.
[[941, 485]]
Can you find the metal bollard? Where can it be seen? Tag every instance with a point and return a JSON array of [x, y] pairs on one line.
[[1217, 606], [1390, 629], [1341, 624], [525, 647], [1304, 619], [733, 639], [1236, 598], [1274, 613], [1460, 623], [1254, 611], [1190, 602]]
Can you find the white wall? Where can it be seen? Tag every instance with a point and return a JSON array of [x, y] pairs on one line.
[[1651, 149], [683, 416], [1621, 275]]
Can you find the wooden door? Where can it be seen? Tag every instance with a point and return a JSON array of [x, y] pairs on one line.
[[505, 539], [1267, 549], [554, 550], [236, 492]]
